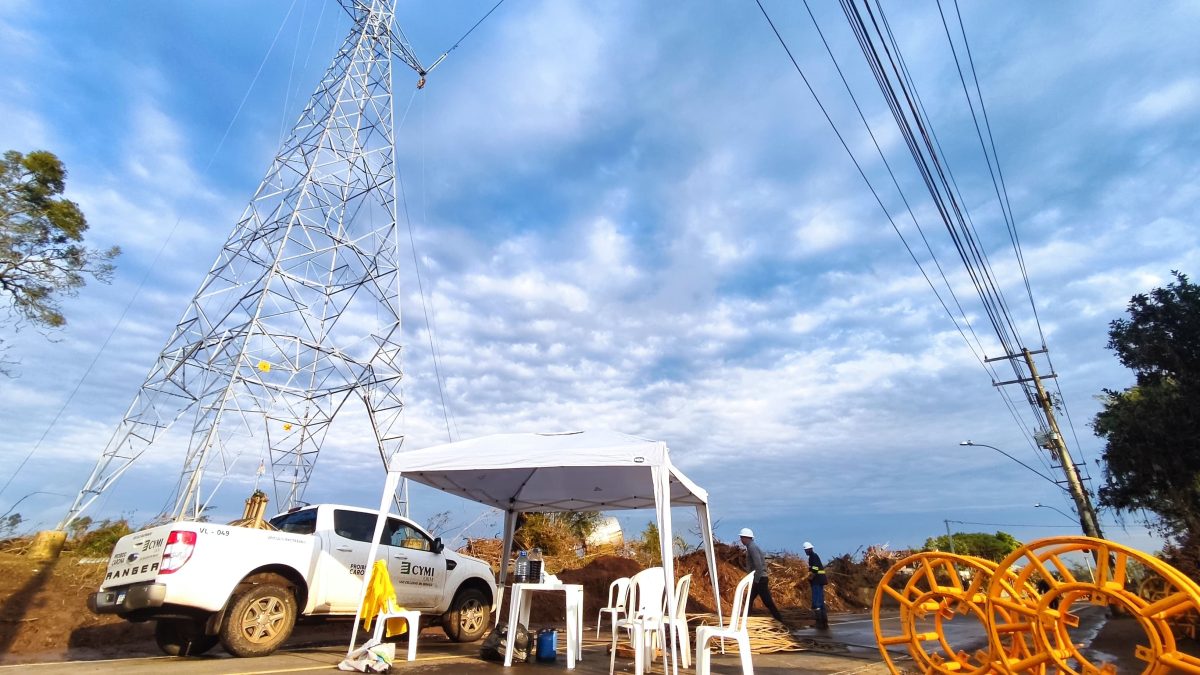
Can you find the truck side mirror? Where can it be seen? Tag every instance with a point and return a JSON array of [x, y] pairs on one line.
[[438, 546]]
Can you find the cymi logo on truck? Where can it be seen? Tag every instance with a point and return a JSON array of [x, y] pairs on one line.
[[416, 570]]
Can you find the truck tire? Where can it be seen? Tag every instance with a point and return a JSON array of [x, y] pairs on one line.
[[182, 637], [260, 617], [467, 618]]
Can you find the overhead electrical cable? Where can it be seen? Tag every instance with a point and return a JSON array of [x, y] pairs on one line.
[[1004, 394], [966, 211], [1005, 204], [917, 139], [886, 61], [464, 37], [421, 286], [878, 69], [1027, 388], [913, 126], [987, 368], [1001, 189], [903, 197], [863, 174], [431, 319]]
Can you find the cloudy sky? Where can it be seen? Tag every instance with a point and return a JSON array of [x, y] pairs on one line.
[[634, 216]]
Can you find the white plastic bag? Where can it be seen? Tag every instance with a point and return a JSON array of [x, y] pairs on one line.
[[372, 657]]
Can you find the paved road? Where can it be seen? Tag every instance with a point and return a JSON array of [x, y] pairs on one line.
[[847, 648], [438, 656]]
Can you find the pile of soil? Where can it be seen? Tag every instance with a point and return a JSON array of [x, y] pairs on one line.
[[851, 583], [44, 614]]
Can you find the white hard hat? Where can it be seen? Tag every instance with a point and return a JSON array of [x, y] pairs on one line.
[[746, 532], [807, 545]]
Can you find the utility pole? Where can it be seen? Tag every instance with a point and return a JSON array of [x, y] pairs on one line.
[[949, 537], [1055, 443], [1083, 501]]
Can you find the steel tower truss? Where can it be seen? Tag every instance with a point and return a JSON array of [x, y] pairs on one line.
[[300, 312]]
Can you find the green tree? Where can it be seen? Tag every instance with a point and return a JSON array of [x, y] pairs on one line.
[[978, 544], [41, 255], [1151, 429], [557, 533], [646, 550], [8, 524]]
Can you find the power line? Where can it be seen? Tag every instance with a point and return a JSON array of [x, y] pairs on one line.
[[1004, 394]]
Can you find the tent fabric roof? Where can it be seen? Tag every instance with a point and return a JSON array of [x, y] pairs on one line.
[[541, 472]]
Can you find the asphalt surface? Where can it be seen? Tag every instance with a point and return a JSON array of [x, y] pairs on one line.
[[437, 655], [847, 648]]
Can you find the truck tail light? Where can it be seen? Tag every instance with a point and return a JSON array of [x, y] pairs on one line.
[[180, 545]]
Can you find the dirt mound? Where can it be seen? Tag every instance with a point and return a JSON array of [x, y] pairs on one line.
[[851, 583], [44, 612]]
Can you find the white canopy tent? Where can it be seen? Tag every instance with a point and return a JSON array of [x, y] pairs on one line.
[[547, 472]]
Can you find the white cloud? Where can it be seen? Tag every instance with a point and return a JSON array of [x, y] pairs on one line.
[[632, 216], [822, 232], [1175, 100]]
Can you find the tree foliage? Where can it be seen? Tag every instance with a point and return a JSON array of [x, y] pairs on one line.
[[1152, 429], [8, 524], [978, 544], [646, 550], [557, 533], [42, 258]]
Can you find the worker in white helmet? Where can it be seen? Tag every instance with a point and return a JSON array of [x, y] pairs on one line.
[[755, 563], [816, 582]]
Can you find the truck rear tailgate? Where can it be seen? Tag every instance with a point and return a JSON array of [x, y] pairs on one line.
[[136, 557]]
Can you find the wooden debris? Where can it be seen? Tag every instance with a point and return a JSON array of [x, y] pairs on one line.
[[767, 635]]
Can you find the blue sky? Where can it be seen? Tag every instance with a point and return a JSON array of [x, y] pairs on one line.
[[633, 216]]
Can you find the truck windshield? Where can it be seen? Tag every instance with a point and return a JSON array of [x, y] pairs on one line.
[[297, 522]]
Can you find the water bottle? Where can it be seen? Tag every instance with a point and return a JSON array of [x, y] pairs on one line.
[[522, 574], [535, 566]]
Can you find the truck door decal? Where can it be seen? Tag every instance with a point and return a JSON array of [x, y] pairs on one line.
[[416, 570]]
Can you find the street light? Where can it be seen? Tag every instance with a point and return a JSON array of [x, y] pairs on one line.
[[1064, 514], [1039, 473]]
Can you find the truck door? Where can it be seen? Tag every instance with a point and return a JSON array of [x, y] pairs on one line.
[[349, 544], [418, 573]]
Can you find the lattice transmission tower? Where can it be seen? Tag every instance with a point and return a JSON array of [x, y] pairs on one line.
[[300, 312]]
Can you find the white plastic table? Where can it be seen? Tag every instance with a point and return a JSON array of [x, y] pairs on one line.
[[518, 613]]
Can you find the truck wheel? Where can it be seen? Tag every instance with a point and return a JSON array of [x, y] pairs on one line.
[[182, 637], [467, 618], [259, 619]]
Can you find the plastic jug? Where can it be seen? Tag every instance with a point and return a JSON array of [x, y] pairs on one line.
[[547, 645], [522, 571]]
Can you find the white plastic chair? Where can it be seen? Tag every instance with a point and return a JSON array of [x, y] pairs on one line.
[[412, 616], [736, 630], [643, 617], [618, 593], [679, 627]]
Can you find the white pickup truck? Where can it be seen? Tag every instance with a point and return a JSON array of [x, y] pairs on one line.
[[244, 587]]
